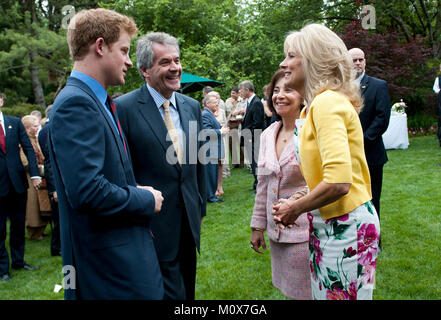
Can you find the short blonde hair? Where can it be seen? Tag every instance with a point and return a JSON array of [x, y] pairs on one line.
[[88, 25], [326, 63], [28, 120]]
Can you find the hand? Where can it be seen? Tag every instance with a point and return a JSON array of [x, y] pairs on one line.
[[55, 196], [284, 213], [36, 182], [224, 130], [257, 240], [157, 195]]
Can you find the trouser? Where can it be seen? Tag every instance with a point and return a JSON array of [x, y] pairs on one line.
[[12, 206], [376, 173], [55, 240], [252, 155], [180, 274], [211, 176], [439, 118]]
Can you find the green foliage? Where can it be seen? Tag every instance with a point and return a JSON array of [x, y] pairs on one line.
[[421, 125], [225, 40], [21, 109]]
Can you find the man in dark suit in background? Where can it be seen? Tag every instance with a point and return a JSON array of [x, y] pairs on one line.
[[214, 145], [374, 119], [436, 89], [13, 190], [106, 242], [49, 177], [252, 125], [162, 128]]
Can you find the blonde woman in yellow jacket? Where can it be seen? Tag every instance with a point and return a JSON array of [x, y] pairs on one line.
[[344, 226]]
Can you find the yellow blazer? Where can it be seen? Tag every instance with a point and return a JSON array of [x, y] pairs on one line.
[[331, 150]]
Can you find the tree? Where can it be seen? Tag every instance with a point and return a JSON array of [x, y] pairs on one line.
[[33, 50], [402, 64]]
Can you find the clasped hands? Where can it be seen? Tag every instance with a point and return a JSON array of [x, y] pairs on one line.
[[284, 215]]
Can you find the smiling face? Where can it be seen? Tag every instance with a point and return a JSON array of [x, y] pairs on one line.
[[212, 104], [32, 128], [165, 74], [286, 100], [234, 94], [294, 74], [116, 60]]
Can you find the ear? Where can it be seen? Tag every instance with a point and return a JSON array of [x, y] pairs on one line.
[[99, 46], [145, 72]]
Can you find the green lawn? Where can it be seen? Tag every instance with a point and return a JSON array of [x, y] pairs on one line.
[[408, 266]]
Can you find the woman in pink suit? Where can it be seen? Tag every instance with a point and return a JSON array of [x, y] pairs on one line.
[[279, 177]]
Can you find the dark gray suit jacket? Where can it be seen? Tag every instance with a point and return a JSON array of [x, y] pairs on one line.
[[183, 188]]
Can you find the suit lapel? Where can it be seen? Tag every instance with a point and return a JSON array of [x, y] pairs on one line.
[[7, 136], [364, 84], [150, 113]]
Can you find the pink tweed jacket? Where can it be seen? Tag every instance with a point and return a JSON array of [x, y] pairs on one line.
[[277, 179]]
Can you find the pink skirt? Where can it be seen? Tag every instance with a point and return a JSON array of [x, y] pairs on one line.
[[290, 269]]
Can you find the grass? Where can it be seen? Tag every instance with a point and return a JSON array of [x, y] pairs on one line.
[[407, 268]]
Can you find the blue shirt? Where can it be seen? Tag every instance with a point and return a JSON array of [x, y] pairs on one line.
[[174, 113], [97, 89]]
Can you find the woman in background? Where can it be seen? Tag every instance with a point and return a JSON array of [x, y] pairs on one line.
[[34, 224]]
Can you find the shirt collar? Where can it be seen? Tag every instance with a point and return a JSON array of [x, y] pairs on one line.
[[159, 98], [358, 80], [94, 85], [250, 98]]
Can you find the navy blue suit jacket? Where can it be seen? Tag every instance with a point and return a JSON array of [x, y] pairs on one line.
[[254, 116], [12, 172], [104, 217], [374, 118], [214, 136], [43, 142], [181, 186]]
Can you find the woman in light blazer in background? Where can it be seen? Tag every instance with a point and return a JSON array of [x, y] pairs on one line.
[[279, 176]]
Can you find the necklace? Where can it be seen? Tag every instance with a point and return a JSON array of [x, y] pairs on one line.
[[285, 137]]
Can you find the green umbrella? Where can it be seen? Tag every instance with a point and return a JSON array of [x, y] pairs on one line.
[[192, 83]]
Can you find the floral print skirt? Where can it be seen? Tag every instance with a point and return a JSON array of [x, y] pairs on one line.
[[343, 254]]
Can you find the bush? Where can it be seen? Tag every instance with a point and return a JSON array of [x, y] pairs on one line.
[[421, 125], [21, 109]]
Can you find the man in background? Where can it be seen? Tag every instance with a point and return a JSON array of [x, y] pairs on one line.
[[55, 247], [436, 89], [13, 190], [252, 125], [374, 119]]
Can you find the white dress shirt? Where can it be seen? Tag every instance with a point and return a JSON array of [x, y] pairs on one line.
[[436, 85]]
